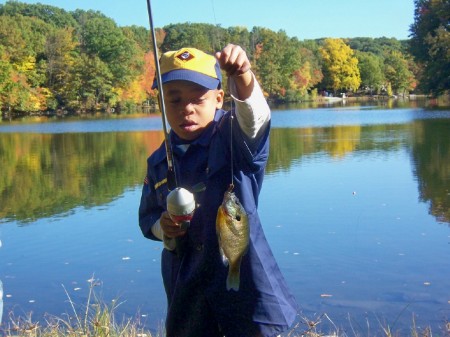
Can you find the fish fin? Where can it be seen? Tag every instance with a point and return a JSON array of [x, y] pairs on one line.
[[233, 278], [224, 257]]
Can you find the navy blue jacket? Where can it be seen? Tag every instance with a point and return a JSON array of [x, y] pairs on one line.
[[198, 302]]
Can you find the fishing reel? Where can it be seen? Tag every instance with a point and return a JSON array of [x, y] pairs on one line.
[[181, 206]]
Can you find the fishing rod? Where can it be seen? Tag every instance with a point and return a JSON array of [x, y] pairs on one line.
[[171, 173], [180, 202]]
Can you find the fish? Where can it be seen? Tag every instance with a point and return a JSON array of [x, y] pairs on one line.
[[233, 233]]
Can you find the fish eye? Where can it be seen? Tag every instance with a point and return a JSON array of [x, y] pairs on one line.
[[238, 217]]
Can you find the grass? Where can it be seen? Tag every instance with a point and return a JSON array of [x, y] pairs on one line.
[[313, 329], [96, 319]]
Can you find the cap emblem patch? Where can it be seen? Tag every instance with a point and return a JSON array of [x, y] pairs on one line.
[[185, 56]]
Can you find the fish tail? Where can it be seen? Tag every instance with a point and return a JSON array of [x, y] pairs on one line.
[[233, 279]]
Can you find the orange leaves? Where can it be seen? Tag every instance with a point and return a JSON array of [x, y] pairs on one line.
[[139, 89]]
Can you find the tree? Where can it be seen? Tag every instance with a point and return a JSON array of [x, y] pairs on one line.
[[240, 36], [93, 81], [340, 66], [101, 37], [311, 67], [140, 89], [371, 71], [60, 52], [23, 36], [140, 35], [268, 60], [52, 15], [16, 93], [22, 40], [430, 38], [6, 81], [376, 46], [397, 72], [195, 35]]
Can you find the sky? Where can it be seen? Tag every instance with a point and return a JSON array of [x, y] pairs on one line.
[[304, 19]]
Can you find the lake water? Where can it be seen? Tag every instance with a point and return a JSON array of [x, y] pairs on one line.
[[355, 205]]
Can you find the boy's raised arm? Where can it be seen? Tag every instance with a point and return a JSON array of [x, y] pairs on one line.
[[252, 110], [234, 61]]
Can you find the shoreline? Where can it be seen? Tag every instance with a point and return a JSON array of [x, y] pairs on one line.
[[63, 113]]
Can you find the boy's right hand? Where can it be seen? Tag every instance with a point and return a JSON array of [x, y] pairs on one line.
[[171, 229], [234, 61]]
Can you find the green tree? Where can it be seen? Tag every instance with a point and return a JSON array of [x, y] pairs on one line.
[[268, 60], [7, 85], [376, 46], [60, 51], [187, 34], [430, 40], [23, 36], [397, 72], [101, 37], [140, 35], [240, 36], [50, 14], [340, 66], [93, 82], [371, 71]]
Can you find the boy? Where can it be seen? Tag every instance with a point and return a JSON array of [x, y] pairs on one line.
[[199, 303]]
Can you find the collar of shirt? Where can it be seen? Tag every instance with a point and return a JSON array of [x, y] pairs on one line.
[[182, 145], [204, 138]]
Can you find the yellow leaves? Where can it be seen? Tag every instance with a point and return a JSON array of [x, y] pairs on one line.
[[341, 66], [134, 92], [26, 65], [45, 92], [34, 102]]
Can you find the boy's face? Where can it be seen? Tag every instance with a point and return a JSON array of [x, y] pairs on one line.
[[190, 107]]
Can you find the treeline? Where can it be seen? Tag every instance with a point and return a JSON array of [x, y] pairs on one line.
[[82, 61]]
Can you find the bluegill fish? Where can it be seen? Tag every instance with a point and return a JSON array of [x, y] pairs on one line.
[[233, 232]]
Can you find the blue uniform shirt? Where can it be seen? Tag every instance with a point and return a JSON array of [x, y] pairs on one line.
[[195, 282]]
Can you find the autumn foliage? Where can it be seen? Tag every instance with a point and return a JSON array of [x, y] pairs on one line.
[[51, 59]]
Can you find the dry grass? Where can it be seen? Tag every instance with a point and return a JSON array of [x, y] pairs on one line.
[[315, 328], [97, 319]]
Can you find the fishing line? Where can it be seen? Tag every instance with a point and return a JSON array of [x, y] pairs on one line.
[[215, 36], [231, 112], [231, 144], [214, 12]]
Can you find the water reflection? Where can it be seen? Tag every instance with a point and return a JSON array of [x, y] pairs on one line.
[[376, 252], [431, 156], [50, 174], [289, 145], [1, 301]]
